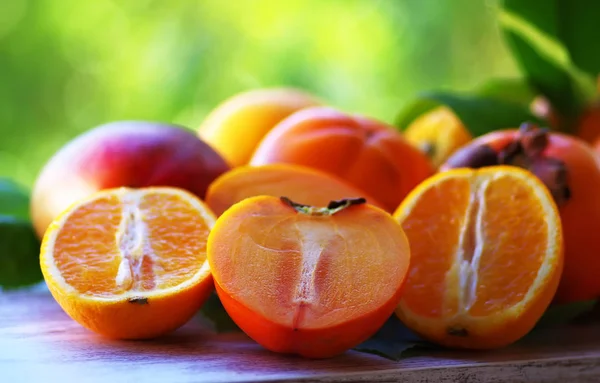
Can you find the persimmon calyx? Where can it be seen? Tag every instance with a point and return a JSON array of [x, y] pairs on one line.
[[525, 151], [331, 209]]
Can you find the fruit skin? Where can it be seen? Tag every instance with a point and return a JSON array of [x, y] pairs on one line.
[[123, 153], [580, 214], [236, 126], [313, 343], [588, 127], [144, 317], [367, 153], [308, 343], [299, 183], [501, 329], [438, 133]]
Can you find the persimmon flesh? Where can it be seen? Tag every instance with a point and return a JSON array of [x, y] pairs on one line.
[[304, 280]]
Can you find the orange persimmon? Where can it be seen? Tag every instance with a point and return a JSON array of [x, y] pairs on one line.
[[367, 153], [299, 183], [307, 280]]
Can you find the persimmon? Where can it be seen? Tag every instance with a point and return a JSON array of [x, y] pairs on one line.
[[130, 263], [367, 153], [588, 125], [311, 281], [570, 169], [486, 256], [299, 183], [236, 126], [438, 133]]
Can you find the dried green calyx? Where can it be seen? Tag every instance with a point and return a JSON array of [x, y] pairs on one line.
[[526, 151], [331, 209]]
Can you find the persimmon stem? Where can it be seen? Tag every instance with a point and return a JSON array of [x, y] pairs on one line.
[[332, 208]]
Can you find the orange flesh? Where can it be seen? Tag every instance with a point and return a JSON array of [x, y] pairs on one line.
[[307, 265], [300, 184], [482, 225], [118, 244]]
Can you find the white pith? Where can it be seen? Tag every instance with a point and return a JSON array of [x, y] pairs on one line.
[[469, 263], [312, 242]]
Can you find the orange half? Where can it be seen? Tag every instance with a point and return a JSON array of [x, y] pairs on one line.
[[130, 263], [486, 256]]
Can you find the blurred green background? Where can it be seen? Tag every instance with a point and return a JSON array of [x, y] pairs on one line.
[[69, 65]]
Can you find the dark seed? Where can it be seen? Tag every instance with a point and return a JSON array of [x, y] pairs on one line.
[[139, 301]]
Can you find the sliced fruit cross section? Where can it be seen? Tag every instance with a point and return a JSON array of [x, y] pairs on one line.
[[487, 255], [124, 246]]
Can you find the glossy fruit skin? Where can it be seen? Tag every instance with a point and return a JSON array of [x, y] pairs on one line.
[[438, 133], [124, 153], [367, 153], [236, 126], [588, 128], [580, 215], [299, 183]]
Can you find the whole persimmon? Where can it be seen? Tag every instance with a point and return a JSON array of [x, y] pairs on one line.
[[570, 169], [124, 153], [367, 153], [588, 125], [237, 125], [308, 280]]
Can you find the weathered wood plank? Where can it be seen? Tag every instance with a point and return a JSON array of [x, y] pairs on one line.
[[38, 342]]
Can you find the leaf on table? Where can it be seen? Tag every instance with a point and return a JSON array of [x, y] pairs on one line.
[[565, 313], [19, 253], [542, 36], [395, 341], [14, 200], [213, 313], [479, 114]]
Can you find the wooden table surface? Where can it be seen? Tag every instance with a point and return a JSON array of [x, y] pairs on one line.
[[39, 343]]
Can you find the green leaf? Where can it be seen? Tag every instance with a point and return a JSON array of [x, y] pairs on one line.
[[394, 341], [565, 313], [19, 253], [479, 114], [535, 31], [213, 313], [580, 33], [508, 89], [14, 200]]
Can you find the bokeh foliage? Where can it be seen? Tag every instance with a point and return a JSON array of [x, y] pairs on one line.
[[69, 65]]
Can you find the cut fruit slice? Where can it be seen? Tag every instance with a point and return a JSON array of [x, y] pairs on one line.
[[298, 183], [130, 263], [486, 256], [305, 280]]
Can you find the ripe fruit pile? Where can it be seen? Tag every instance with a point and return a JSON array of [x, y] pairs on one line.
[[314, 225]]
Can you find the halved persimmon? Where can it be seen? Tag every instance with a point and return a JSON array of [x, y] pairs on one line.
[[306, 280], [130, 263], [486, 256], [299, 183]]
